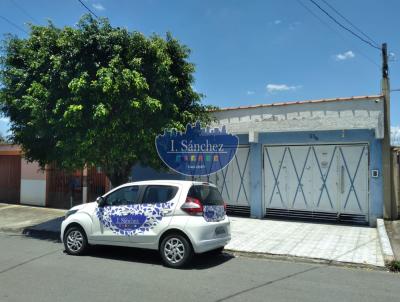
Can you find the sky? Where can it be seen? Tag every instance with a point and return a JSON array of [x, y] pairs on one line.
[[251, 52]]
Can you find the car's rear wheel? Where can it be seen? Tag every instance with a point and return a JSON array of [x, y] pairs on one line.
[[176, 251], [75, 241]]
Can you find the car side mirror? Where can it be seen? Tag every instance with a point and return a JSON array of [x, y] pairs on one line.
[[100, 201]]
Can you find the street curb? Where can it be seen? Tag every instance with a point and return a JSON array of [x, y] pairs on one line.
[[386, 247], [307, 260]]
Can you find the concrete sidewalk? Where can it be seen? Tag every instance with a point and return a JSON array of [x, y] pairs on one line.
[[329, 242], [31, 220]]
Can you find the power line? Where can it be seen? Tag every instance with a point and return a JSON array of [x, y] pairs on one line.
[[24, 11], [348, 21], [89, 10], [13, 24], [344, 27], [337, 32]]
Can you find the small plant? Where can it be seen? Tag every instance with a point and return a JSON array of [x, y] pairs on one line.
[[394, 265]]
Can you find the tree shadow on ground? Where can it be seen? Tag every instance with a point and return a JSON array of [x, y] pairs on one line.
[[48, 230]]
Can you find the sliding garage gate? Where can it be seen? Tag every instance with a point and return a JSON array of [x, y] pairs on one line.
[[234, 182], [328, 182]]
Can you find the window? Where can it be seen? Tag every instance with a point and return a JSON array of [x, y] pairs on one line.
[[123, 196], [208, 195], [159, 194]]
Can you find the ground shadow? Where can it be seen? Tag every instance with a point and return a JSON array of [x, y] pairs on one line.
[[315, 221], [48, 230], [200, 261]]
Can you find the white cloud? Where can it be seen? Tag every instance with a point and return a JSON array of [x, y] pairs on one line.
[[271, 88], [344, 56], [277, 22], [293, 25], [392, 57], [4, 119], [250, 92], [395, 135], [98, 6]]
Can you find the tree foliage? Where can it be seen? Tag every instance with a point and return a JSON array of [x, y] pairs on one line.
[[95, 94]]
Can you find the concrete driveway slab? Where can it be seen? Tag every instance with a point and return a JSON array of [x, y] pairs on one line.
[[16, 218], [342, 243]]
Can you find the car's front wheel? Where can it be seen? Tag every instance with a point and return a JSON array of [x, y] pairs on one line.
[[176, 251], [75, 241]]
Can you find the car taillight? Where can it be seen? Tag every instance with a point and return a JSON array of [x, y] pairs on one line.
[[192, 206], [225, 206]]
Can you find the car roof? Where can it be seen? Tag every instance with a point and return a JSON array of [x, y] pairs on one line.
[[181, 183], [167, 182]]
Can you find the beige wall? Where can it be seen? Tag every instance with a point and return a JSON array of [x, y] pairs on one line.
[[31, 171]]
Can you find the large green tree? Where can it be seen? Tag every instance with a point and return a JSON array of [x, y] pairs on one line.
[[95, 94]]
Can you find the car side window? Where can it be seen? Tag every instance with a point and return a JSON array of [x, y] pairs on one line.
[[124, 196], [159, 194]]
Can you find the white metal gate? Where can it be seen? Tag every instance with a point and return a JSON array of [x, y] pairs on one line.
[[234, 182], [317, 181]]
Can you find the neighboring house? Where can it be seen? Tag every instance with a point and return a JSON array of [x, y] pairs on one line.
[[25, 183], [318, 159]]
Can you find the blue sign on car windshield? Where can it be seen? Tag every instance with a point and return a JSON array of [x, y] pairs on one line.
[[197, 151]]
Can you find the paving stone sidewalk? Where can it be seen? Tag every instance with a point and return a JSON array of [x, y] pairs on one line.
[[341, 243]]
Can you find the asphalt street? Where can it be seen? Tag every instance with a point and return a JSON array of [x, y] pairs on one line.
[[34, 269]]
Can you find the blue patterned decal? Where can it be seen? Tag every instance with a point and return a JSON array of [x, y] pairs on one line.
[[130, 220], [214, 213]]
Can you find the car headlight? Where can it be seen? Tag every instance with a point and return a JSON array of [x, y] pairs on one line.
[[69, 213]]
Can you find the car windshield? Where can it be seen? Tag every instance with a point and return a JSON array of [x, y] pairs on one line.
[[208, 195]]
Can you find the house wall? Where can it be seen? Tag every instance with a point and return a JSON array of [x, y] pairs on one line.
[[375, 202], [33, 184], [324, 116]]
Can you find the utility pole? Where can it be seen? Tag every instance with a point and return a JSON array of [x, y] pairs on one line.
[[388, 208]]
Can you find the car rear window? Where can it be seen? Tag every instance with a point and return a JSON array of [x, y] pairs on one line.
[[159, 194], [208, 195]]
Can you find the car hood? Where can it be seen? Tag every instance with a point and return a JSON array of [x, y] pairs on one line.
[[84, 206]]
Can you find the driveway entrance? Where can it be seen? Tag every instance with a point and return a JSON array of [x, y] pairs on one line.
[[342, 243]]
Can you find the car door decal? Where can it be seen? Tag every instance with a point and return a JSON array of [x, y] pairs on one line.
[[129, 220], [214, 213]]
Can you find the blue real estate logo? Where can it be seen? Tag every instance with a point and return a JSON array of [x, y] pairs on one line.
[[197, 151]]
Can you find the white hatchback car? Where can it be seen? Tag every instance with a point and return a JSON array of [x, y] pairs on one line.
[[177, 218]]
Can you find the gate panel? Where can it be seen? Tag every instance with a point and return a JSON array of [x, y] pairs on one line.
[[96, 181], [234, 180], [325, 178], [354, 179], [274, 179], [64, 189], [10, 178]]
